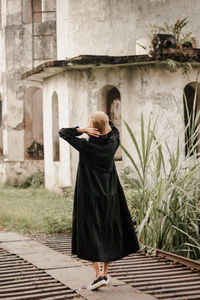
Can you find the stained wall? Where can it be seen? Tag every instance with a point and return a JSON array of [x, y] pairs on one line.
[[113, 27], [142, 89], [23, 45]]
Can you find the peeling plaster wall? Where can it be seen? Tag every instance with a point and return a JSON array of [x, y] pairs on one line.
[[2, 73], [16, 57], [19, 170], [113, 27], [150, 89], [97, 27], [18, 47], [57, 173]]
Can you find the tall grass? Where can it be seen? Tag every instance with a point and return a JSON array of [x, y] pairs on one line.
[[165, 201]]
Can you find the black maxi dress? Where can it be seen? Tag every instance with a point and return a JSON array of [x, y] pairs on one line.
[[102, 227]]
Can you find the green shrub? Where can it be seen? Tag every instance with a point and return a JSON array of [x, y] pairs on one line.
[[57, 223], [164, 204], [35, 180]]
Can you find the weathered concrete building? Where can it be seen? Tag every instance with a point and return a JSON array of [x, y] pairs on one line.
[[85, 79], [27, 38], [97, 68]]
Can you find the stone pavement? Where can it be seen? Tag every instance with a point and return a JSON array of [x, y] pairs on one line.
[[69, 271]]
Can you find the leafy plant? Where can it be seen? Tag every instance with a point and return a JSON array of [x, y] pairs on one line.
[[176, 30], [164, 204], [35, 180], [183, 41]]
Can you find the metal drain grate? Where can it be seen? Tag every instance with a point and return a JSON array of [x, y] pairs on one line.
[[160, 277], [21, 280], [60, 243]]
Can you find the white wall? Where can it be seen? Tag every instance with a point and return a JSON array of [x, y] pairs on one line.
[[112, 27], [148, 89], [57, 174], [95, 27], [16, 57]]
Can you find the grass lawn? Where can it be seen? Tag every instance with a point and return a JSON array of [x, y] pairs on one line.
[[35, 210]]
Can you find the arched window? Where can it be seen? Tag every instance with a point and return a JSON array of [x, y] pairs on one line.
[[55, 127], [110, 102], [33, 124], [191, 99]]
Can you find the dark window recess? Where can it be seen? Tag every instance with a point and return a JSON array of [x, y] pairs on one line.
[[191, 101], [55, 128], [114, 112], [33, 124]]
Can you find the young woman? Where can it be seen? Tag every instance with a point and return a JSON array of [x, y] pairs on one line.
[[102, 228]]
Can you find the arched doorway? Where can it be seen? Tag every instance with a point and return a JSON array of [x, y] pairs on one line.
[[33, 124], [110, 102], [55, 127], [191, 100]]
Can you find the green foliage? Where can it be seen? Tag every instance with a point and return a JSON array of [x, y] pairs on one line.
[[177, 30], [165, 204], [182, 39], [172, 64], [35, 180]]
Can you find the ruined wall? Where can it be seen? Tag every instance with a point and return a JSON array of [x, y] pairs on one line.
[[57, 173], [11, 171], [18, 48], [97, 27], [2, 75], [23, 44], [1, 130], [150, 89], [113, 27]]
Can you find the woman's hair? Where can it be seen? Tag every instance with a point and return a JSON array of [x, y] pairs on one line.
[[100, 121], [100, 125]]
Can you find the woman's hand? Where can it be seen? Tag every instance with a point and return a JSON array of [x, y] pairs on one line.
[[89, 131], [92, 132]]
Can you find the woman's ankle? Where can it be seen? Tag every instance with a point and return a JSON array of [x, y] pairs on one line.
[[97, 275]]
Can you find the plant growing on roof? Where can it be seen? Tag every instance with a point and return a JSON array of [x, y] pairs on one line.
[[187, 40], [165, 37], [172, 36]]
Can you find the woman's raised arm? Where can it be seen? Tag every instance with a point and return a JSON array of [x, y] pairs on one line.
[[71, 136]]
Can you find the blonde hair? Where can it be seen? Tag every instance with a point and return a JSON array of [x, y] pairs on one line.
[[100, 121]]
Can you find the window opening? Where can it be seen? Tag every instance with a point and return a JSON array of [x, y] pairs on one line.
[[43, 33], [55, 127], [33, 124], [113, 103], [191, 101]]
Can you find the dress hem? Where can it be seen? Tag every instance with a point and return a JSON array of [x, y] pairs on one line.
[[97, 260]]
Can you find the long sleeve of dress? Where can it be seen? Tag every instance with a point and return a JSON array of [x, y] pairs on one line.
[[70, 135]]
